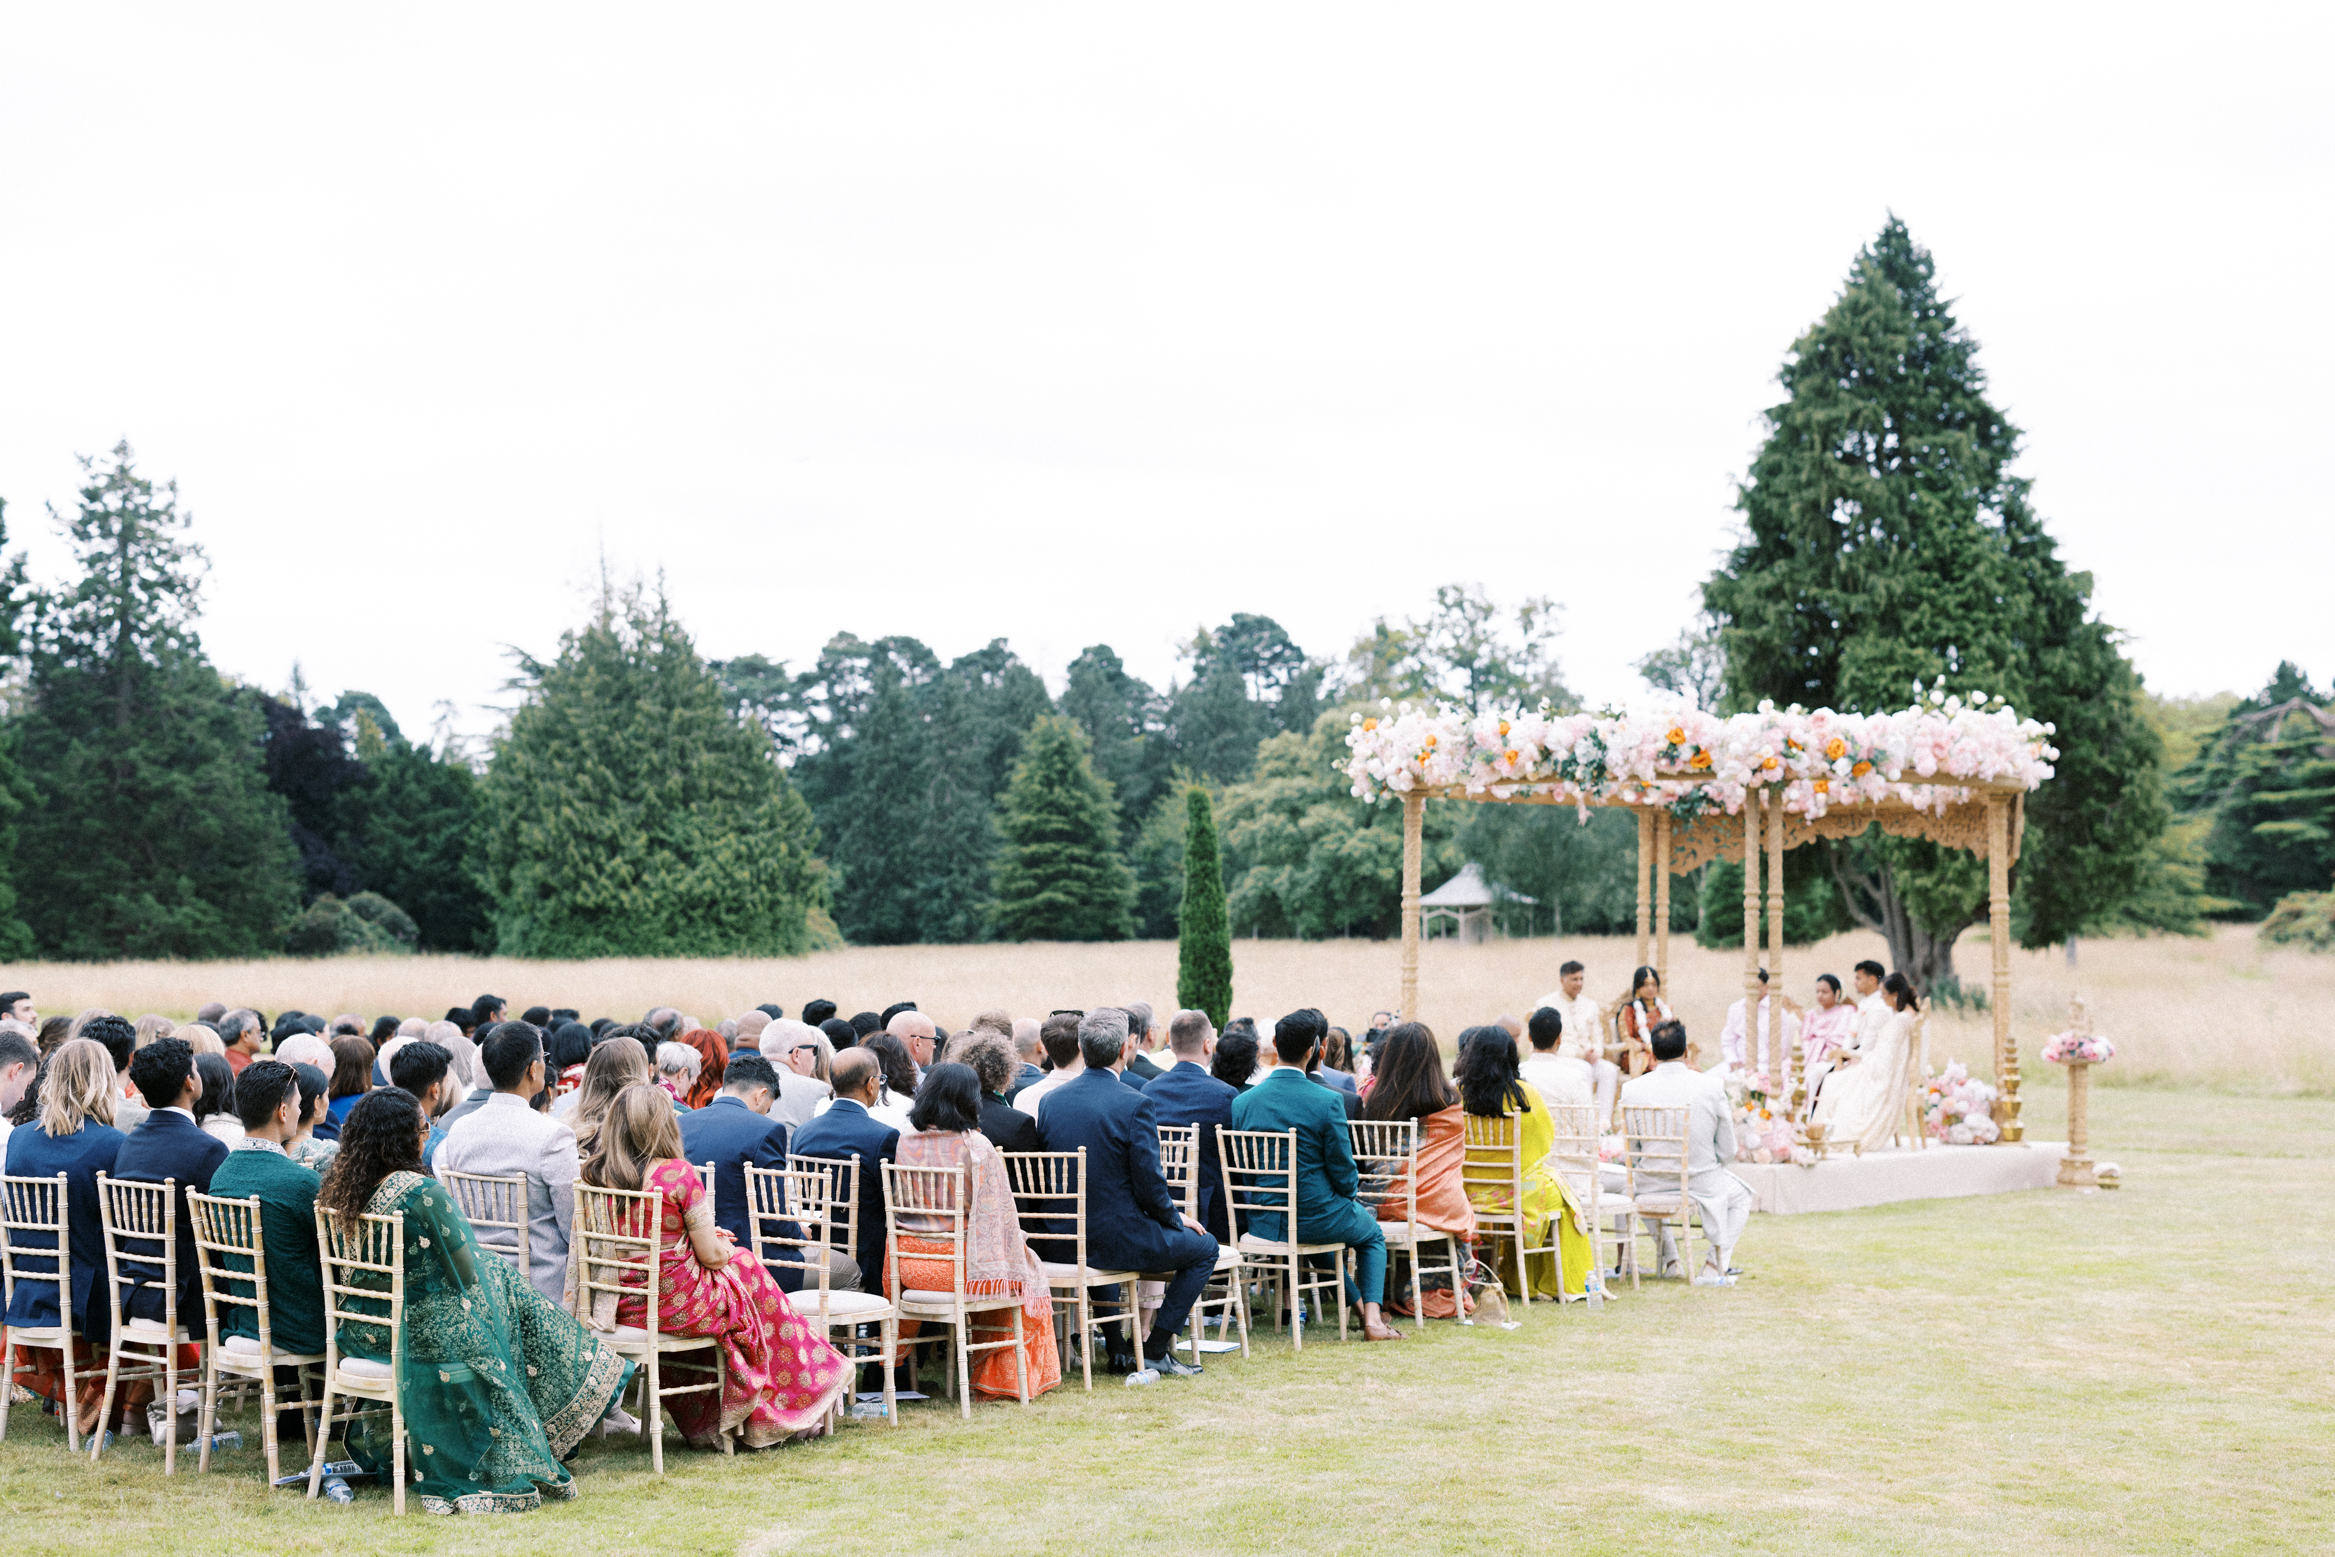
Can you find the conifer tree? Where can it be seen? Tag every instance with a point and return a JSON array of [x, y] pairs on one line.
[[1887, 544], [1059, 875], [629, 812], [412, 838], [154, 833], [1204, 932]]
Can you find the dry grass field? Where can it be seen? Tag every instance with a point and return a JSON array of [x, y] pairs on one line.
[[2219, 1011]]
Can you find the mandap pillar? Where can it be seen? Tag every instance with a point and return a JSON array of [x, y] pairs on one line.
[[1662, 898], [1645, 897], [1414, 817], [1779, 1063], [1998, 916], [1754, 822]]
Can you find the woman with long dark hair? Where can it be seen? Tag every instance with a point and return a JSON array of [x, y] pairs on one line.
[[352, 1076], [1644, 1011], [1408, 1083], [1490, 1087], [1863, 1102], [496, 1382]]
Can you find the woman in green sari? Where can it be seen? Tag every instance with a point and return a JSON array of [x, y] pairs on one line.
[[497, 1383]]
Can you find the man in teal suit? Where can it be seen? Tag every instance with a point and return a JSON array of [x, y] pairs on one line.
[[1327, 1212]]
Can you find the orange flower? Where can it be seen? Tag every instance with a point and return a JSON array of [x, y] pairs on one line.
[[1430, 743], [1510, 754], [1834, 748], [1861, 769], [1822, 785], [1369, 724], [1677, 735], [1503, 727], [1770, 764], [1701, 759]]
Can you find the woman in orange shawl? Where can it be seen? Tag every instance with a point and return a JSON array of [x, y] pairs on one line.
[[998, 1261], [1408, 1083], [714, 1056]]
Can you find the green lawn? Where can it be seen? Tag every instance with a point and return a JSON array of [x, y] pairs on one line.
[[2139, 1371]]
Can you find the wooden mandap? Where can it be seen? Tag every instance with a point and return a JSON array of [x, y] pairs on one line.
[[1744, 788]]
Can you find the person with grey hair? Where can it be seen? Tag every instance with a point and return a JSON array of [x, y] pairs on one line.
[[1133, 1222], [803, 1058], [664, 1021], [1139, 1061], [1026, 1050], [990, 1054], [677, 1067], [240, 1031]]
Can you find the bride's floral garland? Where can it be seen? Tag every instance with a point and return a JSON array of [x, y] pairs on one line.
[[1668, 753]]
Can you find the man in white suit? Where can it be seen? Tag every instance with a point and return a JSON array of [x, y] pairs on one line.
[[1723, 1200], [1583, 1038]]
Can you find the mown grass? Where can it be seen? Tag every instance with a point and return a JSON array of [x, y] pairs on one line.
[[2137, 1371]]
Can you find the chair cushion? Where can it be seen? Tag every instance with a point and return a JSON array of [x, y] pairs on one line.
[[1656, 1205], [853, 1306], [365, 1368], [1067, 1275], [153, 1330], [1227, 1257], [241, 1345], [1252, 1242]]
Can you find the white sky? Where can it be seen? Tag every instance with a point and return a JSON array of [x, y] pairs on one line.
[[1094, 323]]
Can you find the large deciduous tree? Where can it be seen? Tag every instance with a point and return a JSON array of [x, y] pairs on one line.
[[1887, 546], [154, 833], [628, 811]]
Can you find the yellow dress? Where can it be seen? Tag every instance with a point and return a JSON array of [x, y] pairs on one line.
[[1545, 1198]]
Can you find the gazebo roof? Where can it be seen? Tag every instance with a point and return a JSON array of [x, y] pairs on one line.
[[1469, 889]]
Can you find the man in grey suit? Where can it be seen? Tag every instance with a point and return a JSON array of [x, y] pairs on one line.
[[507, 1138], [1723, 1200]]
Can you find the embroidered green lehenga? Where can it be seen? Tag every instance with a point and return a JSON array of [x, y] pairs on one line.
[[497, 1382]]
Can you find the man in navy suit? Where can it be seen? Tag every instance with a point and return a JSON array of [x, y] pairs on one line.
[[1185, 1094], [169, 1145], [847, 1130], [1132, 1219], [735, 1130]]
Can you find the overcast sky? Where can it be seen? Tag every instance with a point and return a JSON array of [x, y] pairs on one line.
[[1094, 323]]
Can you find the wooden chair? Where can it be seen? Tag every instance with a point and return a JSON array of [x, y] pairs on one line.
[[1491, 1171], [779, 1198], [842, 1190], [1657, 1146], [932, 1204], [364, 1284], [1049, 1198], [1227, 1290], [1260, 1179], [613, 1255], [705, 1172], [496, 1209], [1386, 1166], [1574, 1159], [141, 1254], [32, 1210], [233, 1258]]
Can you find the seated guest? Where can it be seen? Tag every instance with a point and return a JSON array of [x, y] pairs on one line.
[[847, 1129], [1349, 1095], [1337, 1067], [1829, 1032], [779, 1376], [918, 1036], [677, 1068], [425, 1070], [215, 1109], [804, 1058], [841, 1035], [570, 1045], [71, 1135], [120, 1040], [818, 1013], [1724, 1201], [169, 1145], [241, 1031], [713, 1063], [1235, 1059], [304, 1148], [751, 1025], [1133, 1222], [1058, 1035], [612, 1068], [1139, 1061], [1490, 1085], [1026, 1051], [509, 1138], [1185, 1094], [1554, 1074], [990, 1056], [20, 1062], [736, 1130], [997, 1259], [496, 1380], [899, 1068], [267, 1096], [1327, 1212], [352, 1076], [1408, 1083]]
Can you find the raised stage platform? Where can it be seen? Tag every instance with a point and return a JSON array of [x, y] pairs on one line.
[[1877, 1178]]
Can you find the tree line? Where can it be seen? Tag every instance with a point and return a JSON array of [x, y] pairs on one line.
[[643, 800]]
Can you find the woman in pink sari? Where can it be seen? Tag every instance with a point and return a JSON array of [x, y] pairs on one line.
[[783, 1377], [998, 1261], [1408, 1083]]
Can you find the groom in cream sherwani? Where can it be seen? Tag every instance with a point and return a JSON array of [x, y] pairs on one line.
[[1723, 1200]]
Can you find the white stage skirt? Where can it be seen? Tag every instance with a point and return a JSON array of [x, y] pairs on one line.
[[1878, 1178]]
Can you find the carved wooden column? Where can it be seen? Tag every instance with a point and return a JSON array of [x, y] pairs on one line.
[[1414, 815], [1754, 820], [1645, 897], [2075, 1169], [1662, 898], [1998, 914], [1778, 1066]]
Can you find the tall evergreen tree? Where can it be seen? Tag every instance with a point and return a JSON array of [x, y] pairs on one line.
[[16, 791], [155, 834], [1204, 934], [873, 815], [1127, 723], [629, 812], [1887, 544], [955, 840], [2266, 781], [1059, 875]]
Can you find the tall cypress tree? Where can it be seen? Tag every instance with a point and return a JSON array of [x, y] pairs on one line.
[[155, 834], [1204, 932], [1887, 544], [629, 812], [1059, 875], [16, 791]]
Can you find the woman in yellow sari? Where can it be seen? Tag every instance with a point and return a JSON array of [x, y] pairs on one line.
[[1408, 1083], [1490, 1087]]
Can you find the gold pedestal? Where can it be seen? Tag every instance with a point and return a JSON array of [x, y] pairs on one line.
[[2075, 1169]]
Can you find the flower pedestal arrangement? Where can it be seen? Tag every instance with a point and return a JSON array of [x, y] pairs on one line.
[[2079, 1049]]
